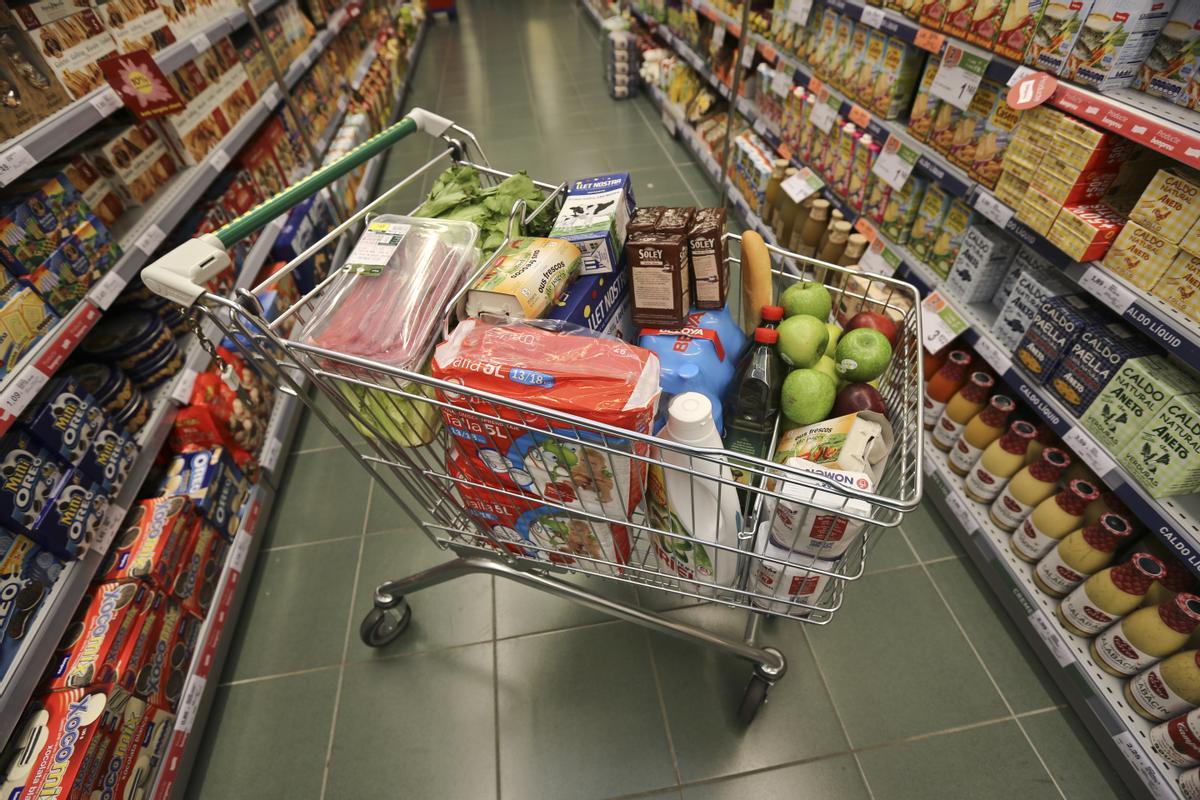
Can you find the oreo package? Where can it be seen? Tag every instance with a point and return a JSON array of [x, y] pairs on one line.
[[165, 669], [111, 456], [200, 569], [214, 482], [27, 573], [151, 542], [70, 519], [65, 419], [29, 475]]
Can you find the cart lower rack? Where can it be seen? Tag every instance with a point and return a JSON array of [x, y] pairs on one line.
[[530, 489]]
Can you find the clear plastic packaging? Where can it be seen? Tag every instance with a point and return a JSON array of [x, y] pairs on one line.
[[388, 300]]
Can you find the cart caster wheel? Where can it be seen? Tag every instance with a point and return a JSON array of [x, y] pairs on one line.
[[382, 626], [753, 699]]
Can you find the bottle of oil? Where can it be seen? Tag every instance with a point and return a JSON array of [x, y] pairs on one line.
[[752, 402]]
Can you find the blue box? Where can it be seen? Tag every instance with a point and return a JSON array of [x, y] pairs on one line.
[[30, 474], [70, 519], [593, 218], [1059, 322], [66, 419], [214, 482], [307, 222], [27, 573], [1093, 360], [599, 303], [110, 457]]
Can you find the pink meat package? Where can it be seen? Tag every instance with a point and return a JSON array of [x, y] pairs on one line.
[[555, 464]]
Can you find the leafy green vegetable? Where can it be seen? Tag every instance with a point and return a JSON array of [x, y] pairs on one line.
[[458, 194]]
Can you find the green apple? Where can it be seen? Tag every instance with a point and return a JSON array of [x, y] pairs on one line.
[[806, 297], [835, 333], [807, 396], [862, 355], [802, 340], [826, 364]]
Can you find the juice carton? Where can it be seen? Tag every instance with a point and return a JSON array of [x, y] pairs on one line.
[[959, 14], [993, 139], [858, 442], [944, 249], [1164, 456], [1170, 205], [899, 70], [842, 36], [901, 209], [855, 56], [945, 123], [969, 132], [1059, 322], [1174, 58], [1179, 284], [1093, 360], [824, 40], [928, 223], [1055, 35], [925, 106], [1140, 256], [986, 21], [1137, 392], [1016, 29], [1115, 39], [870, 65], [1086, 231]]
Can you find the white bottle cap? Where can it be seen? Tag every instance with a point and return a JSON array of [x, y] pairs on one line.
[[689, 417]]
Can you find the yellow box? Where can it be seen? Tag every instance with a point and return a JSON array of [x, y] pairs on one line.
[[1170, 205], [1180, 285], [1010, 189], [1140, 256], [1038, 211], [1191, 242], [1085, 232]]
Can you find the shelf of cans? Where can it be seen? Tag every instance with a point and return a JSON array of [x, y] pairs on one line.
[[1098, 697], [140, 209]]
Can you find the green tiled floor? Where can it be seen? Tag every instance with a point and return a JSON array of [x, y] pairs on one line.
[[920, 688]]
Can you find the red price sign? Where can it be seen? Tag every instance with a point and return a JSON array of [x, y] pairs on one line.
[[1032, 90]]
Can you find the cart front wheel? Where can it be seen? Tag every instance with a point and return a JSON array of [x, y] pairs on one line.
[[753, 699], [382, 626]]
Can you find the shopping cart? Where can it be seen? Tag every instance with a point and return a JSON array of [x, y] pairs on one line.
[[415, 473]]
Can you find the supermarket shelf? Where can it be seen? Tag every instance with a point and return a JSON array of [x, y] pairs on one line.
[[1095, 695], [26, 150], [685, 51], [591, 12], [1174, 520]]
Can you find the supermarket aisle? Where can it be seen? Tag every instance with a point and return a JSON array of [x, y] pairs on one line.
[[919, 689]]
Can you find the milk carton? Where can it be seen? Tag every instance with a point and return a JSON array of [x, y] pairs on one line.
[[1059, 322], [594, 216], [1164, 456], [807, 520], [1137, 392], [1093, 360]]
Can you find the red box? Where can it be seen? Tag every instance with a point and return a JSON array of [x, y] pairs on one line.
[[93, 650], [200, 569], [151, 541], [1086, 231], [162, 676], [138, 753]]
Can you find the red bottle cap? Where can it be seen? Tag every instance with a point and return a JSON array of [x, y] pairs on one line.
[[1076, 496], [956, 365], [766, 335], [979, 387], [1115, 504], [997, 411], [1017, 440], [1135, 575], [1181, 613], [1049, 465], [1107, 533], [772, 313]]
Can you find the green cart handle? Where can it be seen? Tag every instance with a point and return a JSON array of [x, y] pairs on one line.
[[180, 274]]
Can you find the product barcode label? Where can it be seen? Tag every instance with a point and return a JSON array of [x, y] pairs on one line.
[[872, 16], [237, 553], [1048, 630], [993, 355], [24, 386], [106, 289], [189, 704], [895, 162], [987, 204], [1090, 451], [1151, 777], [1106, 288], [15, 162], [958, 505], [107, 101], [958, 76], [150, 239]]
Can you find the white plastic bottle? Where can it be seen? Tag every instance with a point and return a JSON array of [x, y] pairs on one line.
[[701, 508]]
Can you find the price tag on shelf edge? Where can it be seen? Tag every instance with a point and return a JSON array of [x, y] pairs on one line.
[[18, 394], [872, 16], [802, 185], [958, 76], [189, 703], [781, 82], [106, 289], [237, 555], [668, 121], [895, 162], [219, 159], [879, 259], [150, 239], [718, 36], [14, 162], [987, 204], [1018, 73], [823, 115], [940, 322], [1137, 758], [747, 54], [1048, 630], [927, 39], [798, 11], [1090, 451], [993, 355], [958, 505], [112, 524], [1103, 286], [272, 94], [270, 454], [200, 42], [182, 393], [106, 101]]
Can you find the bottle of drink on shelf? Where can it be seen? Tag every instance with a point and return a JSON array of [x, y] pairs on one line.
[[1106, 503], [1108, 595], [1051, 520], [771, 195], [941, 387], [1177, 579], [1146, 636], [787, 213], [856, 245], [1045, 437], [1033, 484], [965, 404], [984, 428], [806, 236], [1166, 689], [999, 462], [835, 243], [1081, 553], [771, 316], [932, 362]]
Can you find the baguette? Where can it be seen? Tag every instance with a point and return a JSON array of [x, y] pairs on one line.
[[756, 279]]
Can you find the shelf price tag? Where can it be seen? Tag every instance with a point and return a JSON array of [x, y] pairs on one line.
[[237, 553], [1106, 288], [958, 77], [272, 95], [993, 355], [987, 204], [219, 159], [106, 101], [802, 185], [879, 259], [1159, 789], [927, 39], [940, 323], [182, 393], [15, 162], [747, 54], [718, 36], [112, 523], [150, 239], [958, 505], [824, 114], [189, 704], [798, 11], [200, 42], [107, 289], [24, 386], [1090, 451], [872, 16], [781, 82], [895, 162], [270, 454], [1048, 630]]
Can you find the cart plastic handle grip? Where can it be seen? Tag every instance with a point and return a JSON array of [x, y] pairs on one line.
[[180, 275]]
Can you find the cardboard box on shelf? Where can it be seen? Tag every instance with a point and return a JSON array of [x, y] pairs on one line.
[[34, 91], [72, 46], [1178, 286], [1038, 211], [1114, 40], [1140, 256], [928, 221], [24, 319], [1138, 390], [1173, 60], [1092, 362], [1164, 456], [136, 162], [136, 24], [1055, 35], [1059, 323], [1170, 206], [1086, 231], [28, 573], [925, 105]]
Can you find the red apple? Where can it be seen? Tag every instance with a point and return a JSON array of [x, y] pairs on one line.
[[858, 397], [873, 319]]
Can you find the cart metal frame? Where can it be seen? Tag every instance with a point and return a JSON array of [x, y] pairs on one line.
[[584, 524]]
